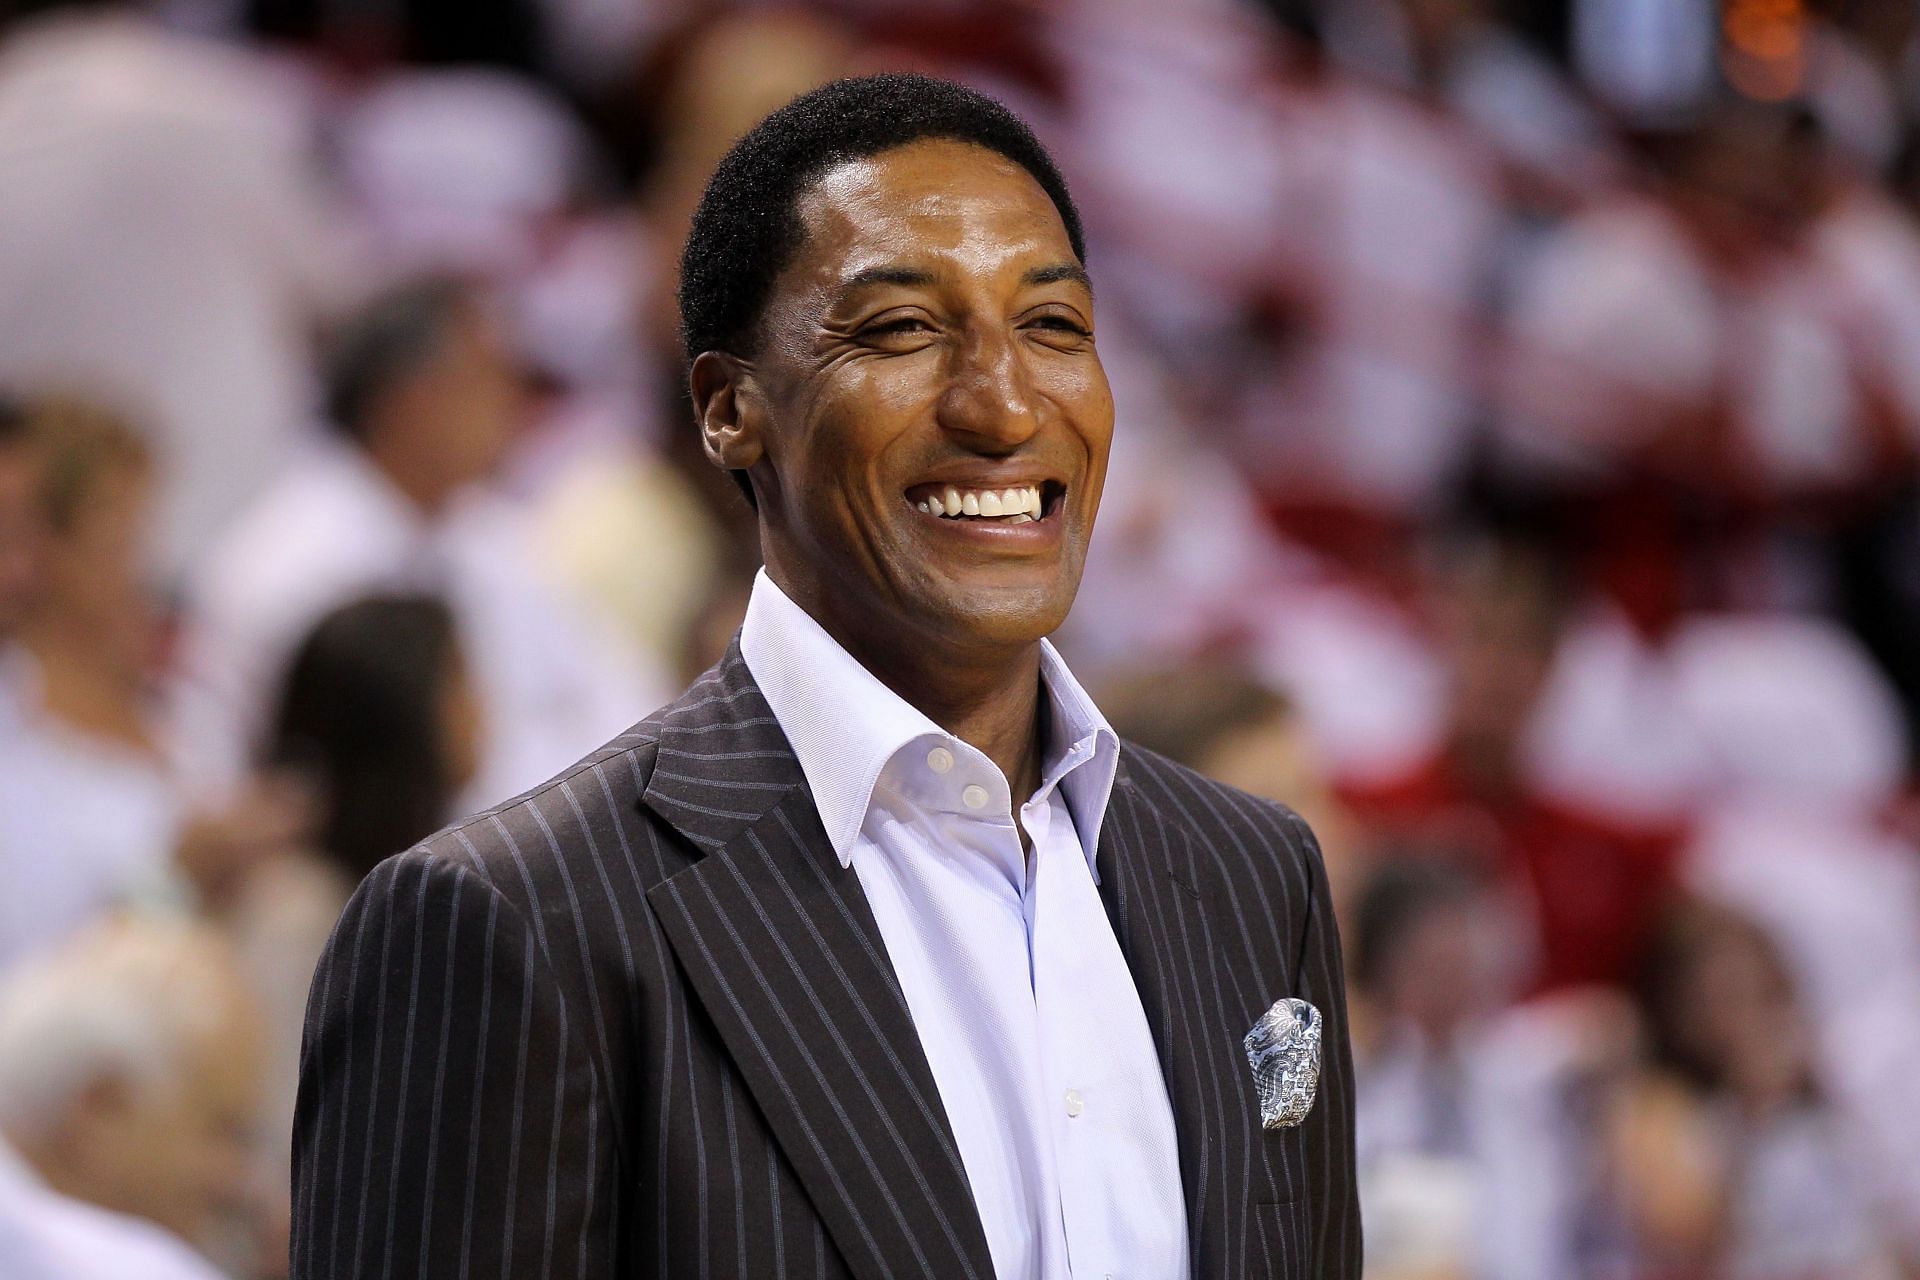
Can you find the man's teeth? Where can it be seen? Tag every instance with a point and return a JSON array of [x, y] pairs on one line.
[[1015, 506]]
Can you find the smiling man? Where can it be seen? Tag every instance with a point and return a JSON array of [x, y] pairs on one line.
[[877, 954]]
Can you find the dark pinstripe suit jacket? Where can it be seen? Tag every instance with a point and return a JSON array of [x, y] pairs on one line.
[[640, 1022]]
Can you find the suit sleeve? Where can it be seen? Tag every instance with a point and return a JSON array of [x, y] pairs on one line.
[[449, 1121], [1321, 980]]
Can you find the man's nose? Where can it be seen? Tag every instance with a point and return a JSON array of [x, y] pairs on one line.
[[989, 399]]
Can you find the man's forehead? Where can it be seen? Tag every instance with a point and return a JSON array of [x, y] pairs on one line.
[[923, 201]]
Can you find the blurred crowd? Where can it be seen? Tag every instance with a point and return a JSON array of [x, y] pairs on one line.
[[1516, 473]]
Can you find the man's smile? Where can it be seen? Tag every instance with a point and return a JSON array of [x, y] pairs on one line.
[[1007, 504]]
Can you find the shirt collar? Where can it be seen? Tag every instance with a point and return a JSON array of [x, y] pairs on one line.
[[845, 726]]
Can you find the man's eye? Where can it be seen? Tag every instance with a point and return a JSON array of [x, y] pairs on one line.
[[903, 325], [1061, 324]]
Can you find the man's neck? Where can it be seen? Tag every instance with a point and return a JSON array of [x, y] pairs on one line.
[[1000, 716], [421, 486], [989, 698], [88, 687]]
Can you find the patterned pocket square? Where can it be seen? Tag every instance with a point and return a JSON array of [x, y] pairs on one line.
[[1284, 1050]]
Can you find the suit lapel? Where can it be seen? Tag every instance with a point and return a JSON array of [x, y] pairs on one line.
[[1167, 940], [781, 947]]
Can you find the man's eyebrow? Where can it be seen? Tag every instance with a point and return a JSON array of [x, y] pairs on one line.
[[910, 277], [917, 278], [1057, 273]]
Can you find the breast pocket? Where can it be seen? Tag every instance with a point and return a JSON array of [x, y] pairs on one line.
[[1281, 1250], [1280, 1174], [1278, 1200]]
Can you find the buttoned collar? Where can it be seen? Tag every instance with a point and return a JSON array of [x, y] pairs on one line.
[[848, 731]]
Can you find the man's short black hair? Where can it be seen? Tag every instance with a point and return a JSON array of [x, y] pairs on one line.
[[746, 227]]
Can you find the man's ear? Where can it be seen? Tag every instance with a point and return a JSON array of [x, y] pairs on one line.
[[727, 405]]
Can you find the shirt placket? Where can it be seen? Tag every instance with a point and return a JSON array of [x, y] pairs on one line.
[[1070, 1088], [1088, 1029]]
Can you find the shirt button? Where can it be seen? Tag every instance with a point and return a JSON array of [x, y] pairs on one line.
[[974, 796], [940, 760], [1074, 1103]]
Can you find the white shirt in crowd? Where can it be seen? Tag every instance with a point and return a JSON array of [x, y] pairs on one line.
[[46, 1236], [1022, 999], [331, 529], [85, 824]]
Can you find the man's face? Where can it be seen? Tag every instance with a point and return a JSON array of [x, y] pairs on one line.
[[930, 347], [457, 416], [95, 579]]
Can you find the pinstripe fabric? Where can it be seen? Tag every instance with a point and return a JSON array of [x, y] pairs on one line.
[[640, 1022]]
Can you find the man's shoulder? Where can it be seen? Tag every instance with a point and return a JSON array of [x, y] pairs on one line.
[[589, 813], [618, 811], [1209, 809]]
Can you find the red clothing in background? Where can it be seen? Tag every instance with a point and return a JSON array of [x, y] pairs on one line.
[[1595, 885]]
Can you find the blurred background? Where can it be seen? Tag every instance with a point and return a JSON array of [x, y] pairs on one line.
[[1516, 473]]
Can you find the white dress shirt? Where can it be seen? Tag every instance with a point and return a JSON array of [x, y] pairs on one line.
[[86, 824], [1023, 1002]]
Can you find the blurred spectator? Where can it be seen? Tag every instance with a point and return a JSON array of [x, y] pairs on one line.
[[162, 241], [1652, 728], [1478, 1120], [1142, 82], [23, 536], [1224, 723], [1730, 1157], [1592, 875], [1458, 54], [1716, 353], [48, 1236], [128, 1072], [22, 529], [379, 712], [1800, 417], [1839, 892], [733, 69], [482, 172], [1358, 420], [425, 400], [1805, 772], [96, 811], [460, 169], [379, 716], [1612, 344], [1421, 980], [1179, 524]]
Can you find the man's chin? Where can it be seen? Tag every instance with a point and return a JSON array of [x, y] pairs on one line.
[[979, 612]]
